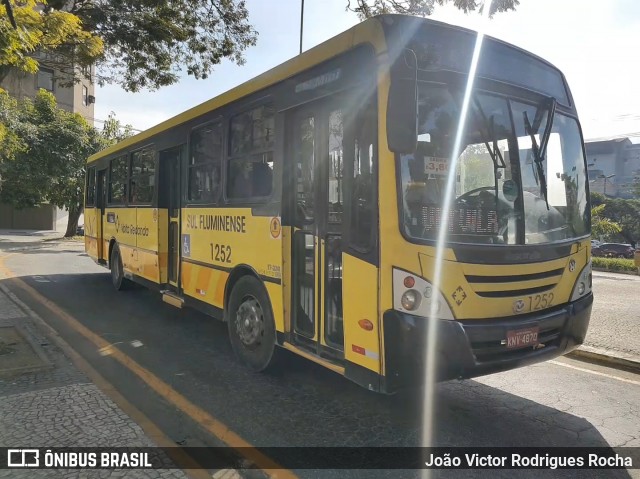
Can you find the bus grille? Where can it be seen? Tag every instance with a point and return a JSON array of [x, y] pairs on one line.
[[514, 285]]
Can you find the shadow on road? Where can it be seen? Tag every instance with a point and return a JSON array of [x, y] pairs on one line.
[[302, 404], [48, 250]]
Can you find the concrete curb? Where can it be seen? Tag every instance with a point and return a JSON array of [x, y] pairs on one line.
[[607, 357], [603, 270], [46, 363]]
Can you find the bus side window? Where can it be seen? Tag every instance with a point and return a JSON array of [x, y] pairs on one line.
[[118, 175], [204, 163], [142, 183], [250, 162], [91, 187]]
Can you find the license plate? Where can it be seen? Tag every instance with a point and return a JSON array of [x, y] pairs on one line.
[[521, 338]]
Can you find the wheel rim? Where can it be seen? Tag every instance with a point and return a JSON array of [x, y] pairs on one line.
[[250, 322]]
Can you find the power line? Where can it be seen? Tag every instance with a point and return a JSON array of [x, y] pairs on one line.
[[122, 126]]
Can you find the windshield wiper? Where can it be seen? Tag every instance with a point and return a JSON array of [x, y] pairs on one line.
[[540, 151], [544, 141], [493, 149]]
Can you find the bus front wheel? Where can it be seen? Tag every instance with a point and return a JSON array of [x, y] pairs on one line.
[[251, 326], [117, 270]]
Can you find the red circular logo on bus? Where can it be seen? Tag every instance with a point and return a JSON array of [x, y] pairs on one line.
[[275, 227]]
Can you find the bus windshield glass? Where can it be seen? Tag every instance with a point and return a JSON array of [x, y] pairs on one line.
[[507, 190]]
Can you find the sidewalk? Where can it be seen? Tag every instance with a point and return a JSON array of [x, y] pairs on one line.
[[613, 337], [45, 401], [15, 240]]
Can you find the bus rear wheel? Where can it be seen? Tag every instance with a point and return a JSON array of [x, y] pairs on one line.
[[251, 326], [118, 280]]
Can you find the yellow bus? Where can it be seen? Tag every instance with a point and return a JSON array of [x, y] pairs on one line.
[[303, 207]]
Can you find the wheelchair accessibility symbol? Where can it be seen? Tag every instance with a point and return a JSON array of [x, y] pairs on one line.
[[186, 245]]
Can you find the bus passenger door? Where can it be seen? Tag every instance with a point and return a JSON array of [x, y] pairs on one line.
[[169, 199], [101, 201], [317, 196]]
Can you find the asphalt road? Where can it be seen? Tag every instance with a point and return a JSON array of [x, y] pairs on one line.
[[615, 320], [560, 403]]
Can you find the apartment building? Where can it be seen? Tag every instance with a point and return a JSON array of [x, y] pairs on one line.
[[78, 98], [614, 166]]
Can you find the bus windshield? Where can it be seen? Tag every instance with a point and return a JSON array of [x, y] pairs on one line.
[[506, 191]]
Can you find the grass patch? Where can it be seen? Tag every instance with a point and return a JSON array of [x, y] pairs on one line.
[[614, 264]]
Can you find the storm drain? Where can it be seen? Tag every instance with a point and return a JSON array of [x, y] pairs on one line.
[[19, 354]]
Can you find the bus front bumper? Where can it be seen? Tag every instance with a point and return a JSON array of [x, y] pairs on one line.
[[465, 349]]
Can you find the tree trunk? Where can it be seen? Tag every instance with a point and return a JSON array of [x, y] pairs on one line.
[[72, 223]]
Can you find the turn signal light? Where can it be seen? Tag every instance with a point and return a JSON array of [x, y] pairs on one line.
[[409, 282], [366, 324]]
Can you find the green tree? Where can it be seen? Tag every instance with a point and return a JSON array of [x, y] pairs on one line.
[[627, 214], [601, 226], [136, 44], [54, 32], [636, 185], [624, 212], [10, 141], [597, 198], [48, 166], [114, 131], [369, 8]]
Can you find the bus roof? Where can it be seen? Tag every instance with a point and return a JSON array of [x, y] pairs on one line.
[[370, 31]]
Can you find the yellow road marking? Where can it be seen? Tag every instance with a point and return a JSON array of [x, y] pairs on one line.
[[199, 415], [597, 373]]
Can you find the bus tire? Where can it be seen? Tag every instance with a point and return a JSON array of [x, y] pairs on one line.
[[118, 280], [251, 326]]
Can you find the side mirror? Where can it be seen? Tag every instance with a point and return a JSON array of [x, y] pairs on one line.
[[402, 107]]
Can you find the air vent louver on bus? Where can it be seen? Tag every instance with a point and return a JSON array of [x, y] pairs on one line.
[[506, 286]]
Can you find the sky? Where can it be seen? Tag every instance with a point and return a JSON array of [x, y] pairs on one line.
[[595, 44]]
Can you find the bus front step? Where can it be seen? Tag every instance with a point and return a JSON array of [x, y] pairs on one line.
[[172, 299]]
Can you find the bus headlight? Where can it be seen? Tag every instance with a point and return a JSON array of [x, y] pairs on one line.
[[410, 300], [414, 295], [583, 283]]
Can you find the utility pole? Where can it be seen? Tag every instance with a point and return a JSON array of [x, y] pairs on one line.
[[301, 22], [605, 182]]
